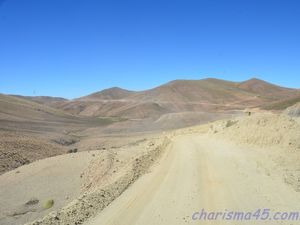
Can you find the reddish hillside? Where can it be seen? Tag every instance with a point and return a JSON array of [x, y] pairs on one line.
[[265, 89], [108, 94], [207, 95]]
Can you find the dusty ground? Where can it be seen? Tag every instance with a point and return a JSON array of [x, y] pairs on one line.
[[241, 164], [103, 161], [122, 176], [244, 164], [101, 187], [199, 172], [58, 178]]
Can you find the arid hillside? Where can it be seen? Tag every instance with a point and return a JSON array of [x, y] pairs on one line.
[[114, 93], [84, 162], [208, 166], [207, 95], [38, 127], [30, 131]]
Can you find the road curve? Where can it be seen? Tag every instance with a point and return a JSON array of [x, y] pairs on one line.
[[195, 173]]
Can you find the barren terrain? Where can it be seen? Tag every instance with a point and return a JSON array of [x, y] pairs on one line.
[[217, 170], [150, 157]]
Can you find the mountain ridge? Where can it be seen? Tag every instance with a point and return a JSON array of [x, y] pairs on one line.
[[205, 95]]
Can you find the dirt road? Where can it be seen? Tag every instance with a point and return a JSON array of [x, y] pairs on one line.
[[195, 173]]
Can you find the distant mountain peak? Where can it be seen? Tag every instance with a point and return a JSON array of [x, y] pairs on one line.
[[113, 93], [114, 89], [202, 95], [254, 79], [263, 88]]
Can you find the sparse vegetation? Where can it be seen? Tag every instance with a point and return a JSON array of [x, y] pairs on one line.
[[293, 111], [49, 204], [281, 105], [74, 150], [32, 201], [65, 141], [229, 123]]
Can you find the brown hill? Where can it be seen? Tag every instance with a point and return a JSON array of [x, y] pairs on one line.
[[108, 94], [205, 95], [41, 99], [282, 104], [46, 126], [20, 113], [30, 131], [266, 89], [206, 90]]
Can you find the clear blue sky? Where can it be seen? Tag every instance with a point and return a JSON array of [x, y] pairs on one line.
[[71, 48]]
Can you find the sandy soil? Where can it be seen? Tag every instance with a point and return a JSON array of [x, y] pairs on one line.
[[110, 185], [57, 178], [240, 164], [196, 172]]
